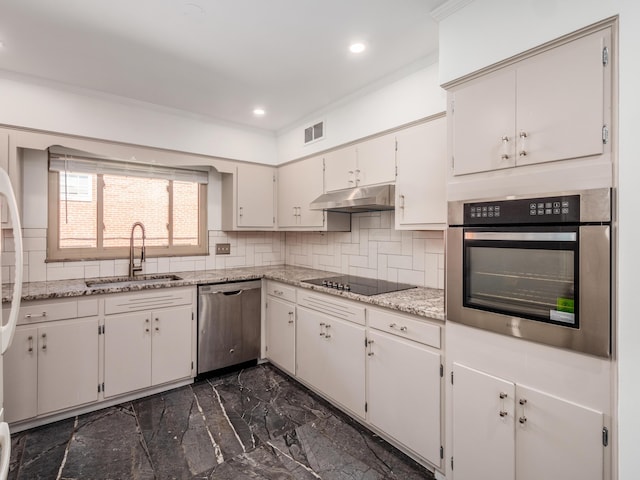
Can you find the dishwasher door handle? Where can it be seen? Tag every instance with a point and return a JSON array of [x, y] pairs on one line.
[[233, 293]]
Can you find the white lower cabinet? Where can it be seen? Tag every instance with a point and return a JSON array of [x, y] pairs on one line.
[[148, 348], [330, 357], [281, 326], [504, 431], [50, 367], [404, 393]]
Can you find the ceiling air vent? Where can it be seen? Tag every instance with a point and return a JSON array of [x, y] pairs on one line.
[[314, 132]]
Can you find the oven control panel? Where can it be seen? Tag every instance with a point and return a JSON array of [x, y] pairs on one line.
[[543, 210]]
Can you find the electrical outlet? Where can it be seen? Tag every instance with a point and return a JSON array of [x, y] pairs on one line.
[[223, 249]]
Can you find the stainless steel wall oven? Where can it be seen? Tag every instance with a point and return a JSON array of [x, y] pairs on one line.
[[537, 268]]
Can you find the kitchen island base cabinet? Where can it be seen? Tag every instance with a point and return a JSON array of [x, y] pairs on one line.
[[145, 349], [330, 358], [51, 367], [504, 431]]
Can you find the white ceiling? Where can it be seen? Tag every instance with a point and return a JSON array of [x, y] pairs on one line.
[[219, 58]]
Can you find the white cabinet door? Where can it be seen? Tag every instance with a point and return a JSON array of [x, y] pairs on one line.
[[300, 183], [171, 344], [421, 197], [311, 348], [127, 353], [281, 334], [561, 102], [483, 426], [331, 358], [376, 160], [345, 364], [340, 169], [255, 184], [556, 438], [20, 367], [483, 119], [67, 364], [404, 378]]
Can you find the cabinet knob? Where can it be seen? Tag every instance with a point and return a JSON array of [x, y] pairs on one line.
[[146, 330], [232, 351], [523, 153], [392, 325], [403, 329], [157, 329]]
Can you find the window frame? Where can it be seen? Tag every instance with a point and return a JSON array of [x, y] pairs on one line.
[[56, 254]]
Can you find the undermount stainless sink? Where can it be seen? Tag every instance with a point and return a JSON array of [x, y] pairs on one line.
[[119, 282]]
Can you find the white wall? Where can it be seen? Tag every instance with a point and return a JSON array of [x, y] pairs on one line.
[[487, 31], [412, 97], [45, 106]]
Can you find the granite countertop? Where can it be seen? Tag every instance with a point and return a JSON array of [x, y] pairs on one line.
[[425, 302]]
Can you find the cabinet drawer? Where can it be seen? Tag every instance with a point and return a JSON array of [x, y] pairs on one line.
[[332, 306], [45, 311], [136, 301], [282, 291], [406, 327]]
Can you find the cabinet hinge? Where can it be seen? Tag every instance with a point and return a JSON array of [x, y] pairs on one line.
[[274, 220], [605, 56], [365, 342], [274, 178], [605, 134], [452, 162], [453, 106], [451, 463], [451, 378], [192, 316], [396, 145], [266, 348], [192, 366], [99, 390], [441, 370], [605, 436], [441, 452], [366, 407], [99, 329]]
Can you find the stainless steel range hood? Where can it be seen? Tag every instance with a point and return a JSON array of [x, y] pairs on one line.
[[357, 199]]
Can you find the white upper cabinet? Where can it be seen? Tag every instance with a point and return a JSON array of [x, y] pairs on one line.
[[248, 198], [299, 183], [340, 168], [421, 200], [369, 162], [376, 160], [554, 105]]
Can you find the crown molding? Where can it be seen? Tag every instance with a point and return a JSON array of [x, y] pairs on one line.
[[448, 8]]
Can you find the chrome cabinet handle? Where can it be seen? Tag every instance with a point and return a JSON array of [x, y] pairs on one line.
[[523, 417], [290, 317], [403, 329], [322, 334], [327, 326], [369, 343], [44, 341], [523, 137], [505, 148], [42, 315], [30, 343]]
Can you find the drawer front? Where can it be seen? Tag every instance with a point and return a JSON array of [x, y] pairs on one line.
[[34, 312], [405, 326], [330, 305], [282, 291], [158, 298]]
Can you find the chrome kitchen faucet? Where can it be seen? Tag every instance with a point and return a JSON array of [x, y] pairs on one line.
[[133, 268]]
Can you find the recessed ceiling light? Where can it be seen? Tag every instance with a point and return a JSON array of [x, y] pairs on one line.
[[258, 112], [357, 47]]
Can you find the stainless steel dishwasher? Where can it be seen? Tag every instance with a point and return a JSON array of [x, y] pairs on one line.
[[228, 324]]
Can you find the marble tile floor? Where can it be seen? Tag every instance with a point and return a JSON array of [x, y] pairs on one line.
[[255, 423]]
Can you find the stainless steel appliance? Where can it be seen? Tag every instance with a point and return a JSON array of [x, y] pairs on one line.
[[359, 285], [537, 268], [357, 199], [228, 324]]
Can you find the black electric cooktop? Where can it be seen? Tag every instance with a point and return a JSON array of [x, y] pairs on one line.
[[359, 285]]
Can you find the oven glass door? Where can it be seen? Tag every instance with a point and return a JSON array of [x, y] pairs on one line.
[[527, 272]]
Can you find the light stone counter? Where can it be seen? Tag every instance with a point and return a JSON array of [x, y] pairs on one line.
[[425, 302]]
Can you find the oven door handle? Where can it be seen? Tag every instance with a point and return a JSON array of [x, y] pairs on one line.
[[523, 236]]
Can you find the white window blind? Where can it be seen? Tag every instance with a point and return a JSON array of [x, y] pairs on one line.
[[60, 160]]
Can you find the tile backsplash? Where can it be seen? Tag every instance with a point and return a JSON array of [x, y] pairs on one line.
[[373, 248]]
